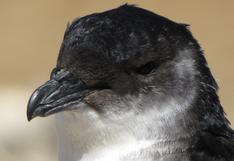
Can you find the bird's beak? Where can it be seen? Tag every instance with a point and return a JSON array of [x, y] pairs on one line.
[[58, 94]]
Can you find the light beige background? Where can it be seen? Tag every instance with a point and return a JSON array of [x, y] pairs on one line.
[[30, 35]]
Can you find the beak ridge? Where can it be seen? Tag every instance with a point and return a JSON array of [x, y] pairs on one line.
[[38, 98]]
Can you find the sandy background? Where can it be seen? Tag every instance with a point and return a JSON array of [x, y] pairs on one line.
[[30, 35]]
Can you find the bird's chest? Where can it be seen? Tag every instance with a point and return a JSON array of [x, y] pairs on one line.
[[79, 141], [83, 137], [138, 151], [119, 151], [89, 144]]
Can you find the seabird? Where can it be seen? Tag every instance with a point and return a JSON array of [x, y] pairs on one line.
[[131, 85]]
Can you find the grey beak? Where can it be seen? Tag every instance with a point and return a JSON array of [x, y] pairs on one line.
[[58, 94]]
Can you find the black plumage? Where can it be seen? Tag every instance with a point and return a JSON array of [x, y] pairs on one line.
[[131, 51]]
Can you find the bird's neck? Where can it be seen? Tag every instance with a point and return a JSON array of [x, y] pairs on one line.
[[82, 136]]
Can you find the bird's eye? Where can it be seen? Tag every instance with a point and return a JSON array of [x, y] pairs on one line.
[[145, 69]]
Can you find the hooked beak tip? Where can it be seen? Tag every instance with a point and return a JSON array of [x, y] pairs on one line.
[[29, 118]]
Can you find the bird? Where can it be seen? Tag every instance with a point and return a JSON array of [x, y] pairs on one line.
[[131, 85]]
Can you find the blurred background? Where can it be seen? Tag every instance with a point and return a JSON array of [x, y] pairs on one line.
[[30, 36]]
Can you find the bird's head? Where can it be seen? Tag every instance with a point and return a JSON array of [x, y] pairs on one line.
[[126, 60]]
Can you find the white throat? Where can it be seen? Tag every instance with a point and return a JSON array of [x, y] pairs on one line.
[[84, 136]]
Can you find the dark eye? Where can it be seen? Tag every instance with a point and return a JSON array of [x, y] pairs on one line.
[[146, 68]]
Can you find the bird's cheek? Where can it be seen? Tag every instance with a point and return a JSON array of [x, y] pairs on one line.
[[124, 84], [103, 99]]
